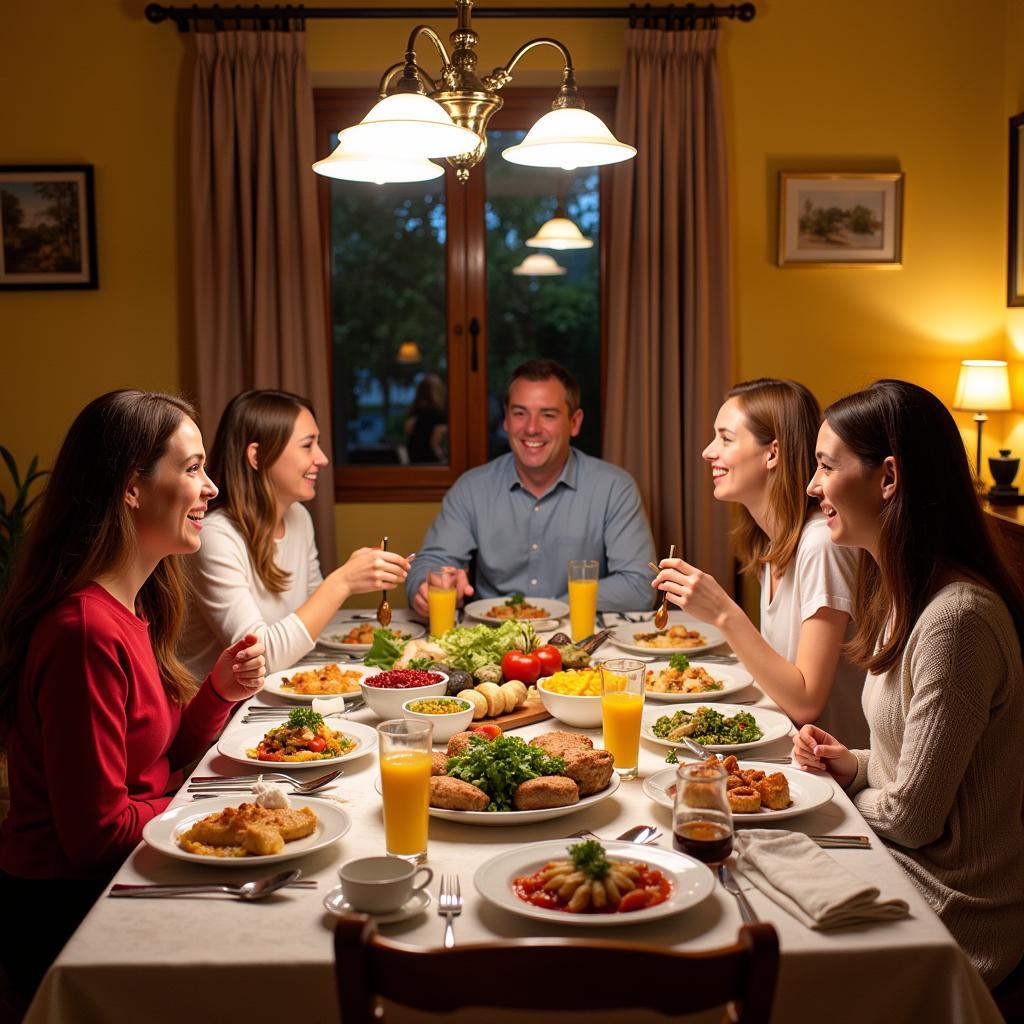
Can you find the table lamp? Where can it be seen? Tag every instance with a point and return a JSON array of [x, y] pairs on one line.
[[983, 387]]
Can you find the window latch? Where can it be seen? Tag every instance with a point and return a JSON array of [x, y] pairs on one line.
[[474, 334]]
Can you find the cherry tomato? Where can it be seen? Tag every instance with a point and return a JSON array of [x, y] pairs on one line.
[[487, 730], [521, 666], [265, 756], [638, 899], [317, 744], [550, 659]]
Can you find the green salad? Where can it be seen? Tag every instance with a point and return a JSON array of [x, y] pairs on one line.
[[499, 766], [472, 647], [705, 725]]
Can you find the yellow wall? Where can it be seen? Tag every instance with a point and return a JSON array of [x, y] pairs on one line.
[[924, 87]]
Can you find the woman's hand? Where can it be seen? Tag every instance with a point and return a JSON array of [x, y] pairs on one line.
[[817, 750], [240, 670], [369, 569], [693, 591]]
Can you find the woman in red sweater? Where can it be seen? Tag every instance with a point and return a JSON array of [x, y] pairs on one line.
[[97, 713]]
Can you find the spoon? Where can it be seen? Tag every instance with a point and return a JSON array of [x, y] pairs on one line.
[[661, 615], [384, 608], [249, 891], [640, 834]]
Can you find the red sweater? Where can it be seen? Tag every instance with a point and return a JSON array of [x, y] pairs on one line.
[[97, 743]]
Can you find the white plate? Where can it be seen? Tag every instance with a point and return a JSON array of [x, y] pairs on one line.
[[162, 831], [418, 902], [624, 637], [502, 818], [273, 682], [410, 630], [773, 724], [235, 742], [552, 609], [692, 882], [735, 677], [807, 791]]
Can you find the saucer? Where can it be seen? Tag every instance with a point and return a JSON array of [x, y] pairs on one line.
[[336, 903]]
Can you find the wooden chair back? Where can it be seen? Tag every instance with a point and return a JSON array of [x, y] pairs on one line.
[[554, 974]]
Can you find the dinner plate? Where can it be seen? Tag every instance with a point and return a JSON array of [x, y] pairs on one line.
[[330, 638], [235, 742], [808, 792], [335, 903], [773, 724], [624, 637], [692, 882], [272, 684], [735, 677], [505, 818], [162, 832], [552, 609]]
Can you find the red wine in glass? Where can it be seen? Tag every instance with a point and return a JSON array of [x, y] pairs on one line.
[[707, 841]]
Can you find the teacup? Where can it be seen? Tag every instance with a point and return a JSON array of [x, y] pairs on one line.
[[379, 885]]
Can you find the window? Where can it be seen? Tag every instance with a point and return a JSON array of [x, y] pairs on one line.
[[427, 319]]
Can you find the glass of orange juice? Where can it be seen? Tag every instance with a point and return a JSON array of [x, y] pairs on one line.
[[441, 599], [622, 708], [405, 786], [582, 598]]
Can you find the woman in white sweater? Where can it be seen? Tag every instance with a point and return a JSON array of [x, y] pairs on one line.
[[258, 570], [761, 458], [939, 627]]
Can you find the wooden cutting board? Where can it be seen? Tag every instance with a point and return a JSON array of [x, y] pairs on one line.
[[532, 711]]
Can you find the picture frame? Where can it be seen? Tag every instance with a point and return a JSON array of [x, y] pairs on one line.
[[840, 220], [1015, 249], [47, 227]]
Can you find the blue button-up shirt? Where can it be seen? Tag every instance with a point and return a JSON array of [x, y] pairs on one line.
[[524, 543]]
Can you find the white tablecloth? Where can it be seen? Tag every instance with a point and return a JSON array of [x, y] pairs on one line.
[[221, 959]]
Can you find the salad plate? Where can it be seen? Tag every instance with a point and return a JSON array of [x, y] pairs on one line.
[[552, 610], [275, 680], [773, 724], [333, 636], [808, 792], [735, 678], [235, 742], [692, 882]]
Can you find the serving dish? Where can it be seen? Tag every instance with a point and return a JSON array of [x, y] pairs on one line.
[[624, 637], [735, 677], [478, 609], [234, 743], [773, 724], [273, 682], [330, 638]]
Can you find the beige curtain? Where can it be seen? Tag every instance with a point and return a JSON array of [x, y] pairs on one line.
[[669, 358], [259, 312]]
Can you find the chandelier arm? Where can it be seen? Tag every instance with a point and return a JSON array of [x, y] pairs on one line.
[[501, 76], [426, 30]]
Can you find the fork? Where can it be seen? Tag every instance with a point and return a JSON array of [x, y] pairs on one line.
[[732, 886], [267, 714], [449, 906], [239, 784], [253, 776]]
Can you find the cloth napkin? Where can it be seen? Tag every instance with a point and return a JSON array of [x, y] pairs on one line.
[[805, 881], [328, 705]]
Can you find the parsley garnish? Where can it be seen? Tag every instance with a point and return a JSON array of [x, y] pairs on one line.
[[679, 662], [516, 599], [589, 858], [305, 717]]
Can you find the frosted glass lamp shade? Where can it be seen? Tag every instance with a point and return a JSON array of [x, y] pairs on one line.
[[983, 386], [559, 233], [539, 264], [347, 165], [569, 138], [409, 124]]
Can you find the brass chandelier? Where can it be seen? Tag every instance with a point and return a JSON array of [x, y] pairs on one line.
[[419, 118]]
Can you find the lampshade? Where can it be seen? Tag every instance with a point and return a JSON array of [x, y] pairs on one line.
[[409, 352], [539, 264], [559, 233], [409, 124], [569, 138], [347, 165], [983, 386]]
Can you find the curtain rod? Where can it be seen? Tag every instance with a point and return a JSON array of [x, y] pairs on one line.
[[181, 16]]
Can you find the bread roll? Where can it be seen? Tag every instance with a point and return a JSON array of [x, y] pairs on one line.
[[478, 700], [494, 697]]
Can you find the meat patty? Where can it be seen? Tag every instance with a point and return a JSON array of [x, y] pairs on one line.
[[456, 795], [547, 791], [438, 762], [591, 770], [458, 743], [561, 744]]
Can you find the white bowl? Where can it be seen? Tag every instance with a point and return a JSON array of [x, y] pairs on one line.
[[582, 712], [387, 703], [445, 726]]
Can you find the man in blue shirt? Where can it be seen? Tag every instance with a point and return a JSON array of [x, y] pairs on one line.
[[527, 513]]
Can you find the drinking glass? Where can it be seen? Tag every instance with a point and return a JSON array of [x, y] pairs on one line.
[[405, 786], [441, 599], [701, 816], [622, 708], [582, 598]]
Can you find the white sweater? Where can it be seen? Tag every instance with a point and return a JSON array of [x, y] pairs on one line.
[[231, 600], [943, 782]]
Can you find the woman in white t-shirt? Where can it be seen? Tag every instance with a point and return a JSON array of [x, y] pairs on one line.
[[258, 570], [762, 458]]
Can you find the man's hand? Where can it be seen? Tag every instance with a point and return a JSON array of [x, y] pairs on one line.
[[240, 670], [463, 589]]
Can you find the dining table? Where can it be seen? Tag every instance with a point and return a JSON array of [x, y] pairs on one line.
[[211, 958]]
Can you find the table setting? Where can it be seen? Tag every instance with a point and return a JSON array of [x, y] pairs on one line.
[[849, 920]]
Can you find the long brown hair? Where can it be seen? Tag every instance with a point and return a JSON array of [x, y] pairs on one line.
[[783, 411], [83, 529], [932, 524], [266, 418]]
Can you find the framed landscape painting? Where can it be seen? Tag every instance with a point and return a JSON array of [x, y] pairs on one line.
[[1015, 281], [840, 220], [47, 227]]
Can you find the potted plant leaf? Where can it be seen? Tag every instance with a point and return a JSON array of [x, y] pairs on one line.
[[14, 513]]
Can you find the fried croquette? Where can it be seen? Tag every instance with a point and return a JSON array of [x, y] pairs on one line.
[[744, 799], [591, 770], [247, 829], [560, 744], [438, 763], [458, 743], [547, 791], [774, 790], [456, 795]]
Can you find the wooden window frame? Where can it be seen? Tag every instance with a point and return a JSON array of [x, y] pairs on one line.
[[466, 299]]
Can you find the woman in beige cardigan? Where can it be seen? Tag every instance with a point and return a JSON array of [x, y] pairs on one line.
[[939, 629]]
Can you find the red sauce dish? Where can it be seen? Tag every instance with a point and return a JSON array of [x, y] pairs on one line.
[[652, 888]]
